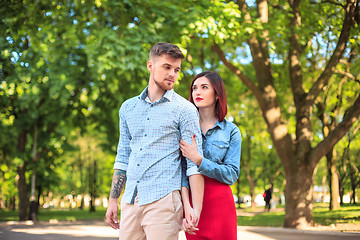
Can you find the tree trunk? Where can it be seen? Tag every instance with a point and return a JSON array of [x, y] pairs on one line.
[[252, 194], [333, 180], [238, 188], [32, 205], [12, 204], [21, 184], [341, 193], [298, 193], [323, 184], [353, 196], [33, 211], [23, 193], [93, 188]]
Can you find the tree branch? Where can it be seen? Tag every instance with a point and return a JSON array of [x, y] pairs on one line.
[[350, 117], [337, 54], [347, 74], [216, 48]]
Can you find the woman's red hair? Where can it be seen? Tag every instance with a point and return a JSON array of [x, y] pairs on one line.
[[218, 84]]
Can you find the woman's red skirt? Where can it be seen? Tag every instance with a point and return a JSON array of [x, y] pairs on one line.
[[218, 219]]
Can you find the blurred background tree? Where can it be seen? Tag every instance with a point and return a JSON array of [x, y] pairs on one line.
[[66, 67]]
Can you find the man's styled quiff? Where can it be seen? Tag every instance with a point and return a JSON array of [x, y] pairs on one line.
[[166, 48]]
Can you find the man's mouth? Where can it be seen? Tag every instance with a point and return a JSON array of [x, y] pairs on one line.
[[170, 80]]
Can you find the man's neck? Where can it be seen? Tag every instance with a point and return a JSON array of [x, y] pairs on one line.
[[155, 93]]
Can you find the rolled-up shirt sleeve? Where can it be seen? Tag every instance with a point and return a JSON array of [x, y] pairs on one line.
[[189, 126], [123, 149]]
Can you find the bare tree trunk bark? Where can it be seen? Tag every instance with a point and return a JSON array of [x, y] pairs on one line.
[[33, 212], [333, 180], [298, 193], [23, 193], [21, 184]]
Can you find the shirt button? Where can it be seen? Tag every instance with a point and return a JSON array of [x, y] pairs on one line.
[[140, 149], [148, 119], [138, 164], [138, 181], [145, 135]]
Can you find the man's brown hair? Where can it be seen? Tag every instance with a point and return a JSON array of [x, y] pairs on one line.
[[166, 48]]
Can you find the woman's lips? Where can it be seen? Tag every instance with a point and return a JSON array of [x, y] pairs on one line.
[[198, 99]]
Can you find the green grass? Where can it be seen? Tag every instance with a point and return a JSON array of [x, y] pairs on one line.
[[58, 214], [265, 219], [347, 214]]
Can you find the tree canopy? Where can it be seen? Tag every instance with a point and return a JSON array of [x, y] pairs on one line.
[[291, 70]]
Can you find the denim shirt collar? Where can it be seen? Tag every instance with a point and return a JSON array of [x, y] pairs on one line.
[[220, 124], [168, 95]]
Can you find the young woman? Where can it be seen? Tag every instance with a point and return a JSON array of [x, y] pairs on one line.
[[220, 164]]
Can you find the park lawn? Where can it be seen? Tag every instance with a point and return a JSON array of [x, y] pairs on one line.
[[58, 214], [347, 214], [262, 219]]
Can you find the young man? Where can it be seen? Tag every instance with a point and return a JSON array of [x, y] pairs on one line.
[[148, 154]]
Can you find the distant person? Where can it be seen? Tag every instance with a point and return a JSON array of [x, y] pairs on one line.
[[220, 163], [148, 154], [267, 198]]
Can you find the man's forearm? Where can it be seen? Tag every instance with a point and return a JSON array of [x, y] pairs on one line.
[[197, 191], [118, 183]]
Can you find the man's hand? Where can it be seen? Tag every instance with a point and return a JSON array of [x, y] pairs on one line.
[[191, 221], [188, 228], [112, 213]]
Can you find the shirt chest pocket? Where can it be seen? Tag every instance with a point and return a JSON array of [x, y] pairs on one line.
[[218, 150]]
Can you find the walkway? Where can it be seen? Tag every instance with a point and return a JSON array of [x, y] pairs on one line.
[[98, 230]]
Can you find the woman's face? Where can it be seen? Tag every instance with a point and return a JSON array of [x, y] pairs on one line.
[[203, 93]]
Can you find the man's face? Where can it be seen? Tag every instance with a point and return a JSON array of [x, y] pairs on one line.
[[164, 71]]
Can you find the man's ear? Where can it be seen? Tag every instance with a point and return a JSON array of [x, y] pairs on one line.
[[149, 65]]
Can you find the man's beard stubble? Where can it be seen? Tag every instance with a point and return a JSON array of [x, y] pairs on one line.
[[164, 85]]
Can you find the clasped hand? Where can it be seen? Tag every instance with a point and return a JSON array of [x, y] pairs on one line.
[[190, 151]]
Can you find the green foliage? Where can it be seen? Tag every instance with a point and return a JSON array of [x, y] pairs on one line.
[[66, 67], [58, 214]]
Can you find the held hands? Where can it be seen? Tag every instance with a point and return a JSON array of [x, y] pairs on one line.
[[112, 214], [191, 221], [190, 151]]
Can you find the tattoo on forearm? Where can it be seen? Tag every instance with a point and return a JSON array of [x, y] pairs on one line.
[[118, 183]]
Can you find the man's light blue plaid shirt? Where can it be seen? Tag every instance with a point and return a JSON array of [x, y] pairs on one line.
[[148, 148]]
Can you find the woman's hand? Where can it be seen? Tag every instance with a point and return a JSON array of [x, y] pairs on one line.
[[190, 151], [190, 221]]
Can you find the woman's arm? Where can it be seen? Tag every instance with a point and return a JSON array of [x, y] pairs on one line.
[[192, 215], [226, 172]]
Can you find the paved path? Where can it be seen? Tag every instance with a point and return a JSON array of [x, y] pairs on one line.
[[98, 230]]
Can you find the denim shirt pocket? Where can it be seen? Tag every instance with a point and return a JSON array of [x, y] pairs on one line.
[[218, 150]]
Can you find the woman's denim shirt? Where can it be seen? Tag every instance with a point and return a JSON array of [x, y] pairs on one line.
[[222, 150]]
